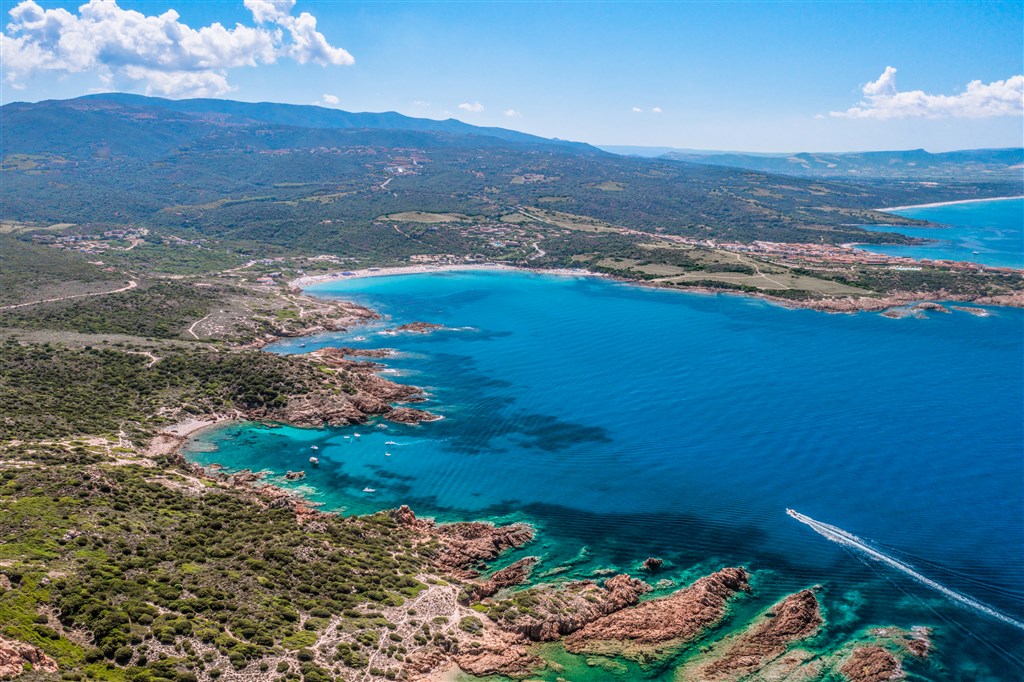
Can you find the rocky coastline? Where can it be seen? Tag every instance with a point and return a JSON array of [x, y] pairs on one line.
[[496, 618]]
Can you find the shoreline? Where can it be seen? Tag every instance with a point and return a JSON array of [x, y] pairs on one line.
[[890, 209], [843, 305], [342, 275]]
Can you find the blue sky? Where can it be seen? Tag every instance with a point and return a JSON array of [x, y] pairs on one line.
[[765, 76]]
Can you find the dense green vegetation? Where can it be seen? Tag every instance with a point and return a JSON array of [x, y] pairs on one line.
[[161, 309], [53, 391], [27, 267], [172, 578], [322, 188]]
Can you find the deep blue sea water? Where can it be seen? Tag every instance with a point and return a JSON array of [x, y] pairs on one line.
[[628, 422], [989, 232]]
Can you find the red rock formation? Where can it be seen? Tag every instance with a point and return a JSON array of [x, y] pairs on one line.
[[465, 545], [871, 664], [558, 610], [668, 621], [796, 617], [14, 656], [515, 574], [418, 327]]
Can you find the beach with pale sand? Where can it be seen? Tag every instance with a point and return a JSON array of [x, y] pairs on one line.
[[946, 203], [310, 280]]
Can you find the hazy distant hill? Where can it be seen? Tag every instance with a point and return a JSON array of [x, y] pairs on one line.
[[309, 116], [1002, 164], [303, 175]]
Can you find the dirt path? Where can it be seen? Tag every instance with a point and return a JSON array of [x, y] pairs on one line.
[[131, 285], [192, 329], [152, 358], [753, 264]]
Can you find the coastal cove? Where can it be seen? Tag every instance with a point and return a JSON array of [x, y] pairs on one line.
[[989, 231], [690, 423]]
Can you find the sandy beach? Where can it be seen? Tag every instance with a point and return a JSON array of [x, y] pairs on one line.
[[310, 280], [946, 203], [169, 439]]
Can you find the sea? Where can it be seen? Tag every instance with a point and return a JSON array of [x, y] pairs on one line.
[[627, 422], [986, 232]]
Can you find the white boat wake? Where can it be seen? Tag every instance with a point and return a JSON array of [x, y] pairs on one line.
[[840, 536]]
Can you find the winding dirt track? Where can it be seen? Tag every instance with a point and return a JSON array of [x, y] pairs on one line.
[[131, 285]]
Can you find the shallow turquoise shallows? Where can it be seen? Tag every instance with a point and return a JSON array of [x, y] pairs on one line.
[[988, 232], [628, 422]]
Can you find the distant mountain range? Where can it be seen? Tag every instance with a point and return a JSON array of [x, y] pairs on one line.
[[976, 164], [311, 116], [305, 175]]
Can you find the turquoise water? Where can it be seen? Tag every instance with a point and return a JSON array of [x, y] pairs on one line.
[[989, 232], [628, 422]]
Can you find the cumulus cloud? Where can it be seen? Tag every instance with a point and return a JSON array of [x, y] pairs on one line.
[[512, 113], [473, 107], [656, 110], [330, 99], [882, 100], [637, 110], [129, 49]]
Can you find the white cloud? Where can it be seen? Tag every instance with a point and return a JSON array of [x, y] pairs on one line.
[[656, 110], [637, 110], [420, 103], [330, 99], [129, 49], [512, 113], [979, 100], [474, 107]]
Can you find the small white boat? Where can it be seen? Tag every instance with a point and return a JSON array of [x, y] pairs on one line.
[[314, 461], [387, 454], [359, 338], [369, 490], [382, 426], [313, 447], [390, 442], [356, 435]]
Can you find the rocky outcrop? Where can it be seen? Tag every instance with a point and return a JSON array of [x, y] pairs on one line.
[[662, 623], [652, 564], [515, 574], [871, 664], [497, 657], [351, 393], [796, 617], [295, 475], [464, 547], [18, 657], [407, 415], [977, 312], [418, 327], [932, 306], [548, 612]]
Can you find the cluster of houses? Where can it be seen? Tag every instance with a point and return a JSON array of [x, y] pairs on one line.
[[91, 243]]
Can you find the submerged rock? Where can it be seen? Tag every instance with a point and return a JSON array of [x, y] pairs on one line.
[[652, 564]]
